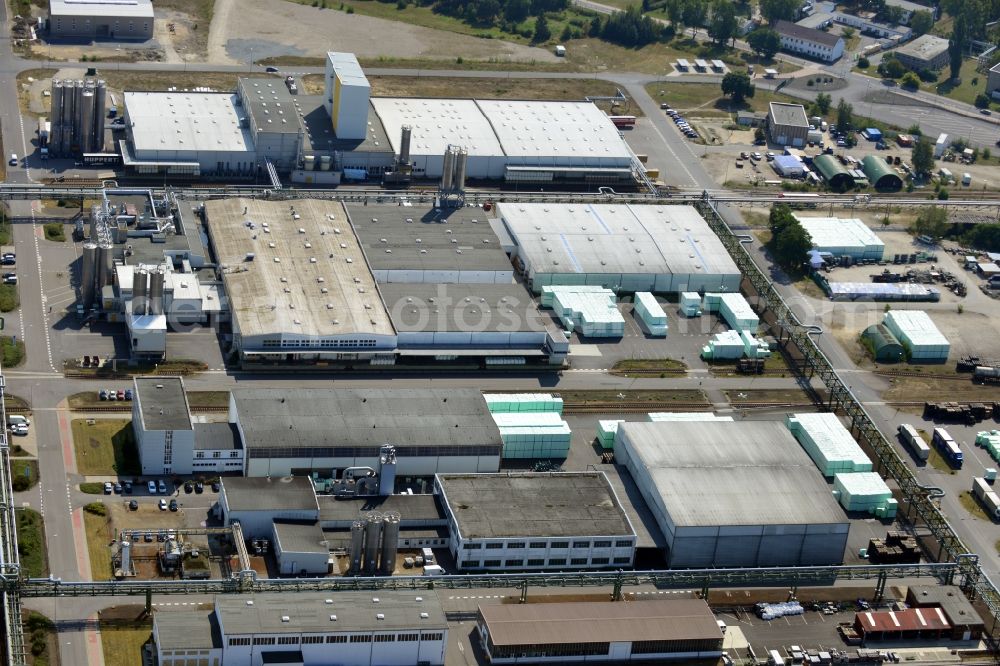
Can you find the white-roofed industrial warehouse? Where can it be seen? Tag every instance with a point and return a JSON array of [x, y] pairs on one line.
[[618, 246]]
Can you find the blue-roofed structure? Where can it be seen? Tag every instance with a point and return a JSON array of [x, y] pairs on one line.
[[789, 166]]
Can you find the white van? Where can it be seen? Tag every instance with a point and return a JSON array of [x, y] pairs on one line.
[[433, 570], [17, 419], [722, 625]]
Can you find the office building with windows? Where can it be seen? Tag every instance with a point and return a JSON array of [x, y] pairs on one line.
[[381, 628], [535, 521]]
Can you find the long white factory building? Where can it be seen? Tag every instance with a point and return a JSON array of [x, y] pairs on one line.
[[621, 247], [318, 138]]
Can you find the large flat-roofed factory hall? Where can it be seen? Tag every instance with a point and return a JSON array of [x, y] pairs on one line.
[[345, 133]]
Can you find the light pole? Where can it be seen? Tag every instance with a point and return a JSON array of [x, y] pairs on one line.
[[250, 67]]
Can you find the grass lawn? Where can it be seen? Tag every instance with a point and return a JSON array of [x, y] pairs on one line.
[[937, 461], [607, 396], [201, 13], [99, 535], [9, 300], [41, 637], [122, 643], [649, 365], [208, 399], [92, 487], [11, 352], [31, 543], [23, 473], [972, 83], [106, 447], [55, 231], [706, 99], [5, 227]]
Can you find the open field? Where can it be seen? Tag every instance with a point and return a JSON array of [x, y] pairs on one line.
[[200, 14], [920, 388], [105, 447], [256, 29], [483, 88], [468, 64], [99, 534], [706, 99], [421, 15], [31, 543]]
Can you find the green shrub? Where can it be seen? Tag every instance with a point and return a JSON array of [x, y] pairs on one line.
[[92, 488], [8, 297], [54, 231], [11, 352], [96, 508]]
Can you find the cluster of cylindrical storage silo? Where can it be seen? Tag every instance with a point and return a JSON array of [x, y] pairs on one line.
[[77, 116], [97, 269], [453, 169], [147, 292], [374, 543]]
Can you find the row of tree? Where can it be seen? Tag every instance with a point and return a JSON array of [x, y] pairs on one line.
[[493, 12]]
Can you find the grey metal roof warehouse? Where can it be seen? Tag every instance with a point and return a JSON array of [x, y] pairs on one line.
[[297, 537], [412, 509], [191, 630], [600, 622], [534, 505], [310, 612], [363, 418], [462, 307], [737, 473], [264, 493], [216, 436], [415, 238], [162, 403]]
